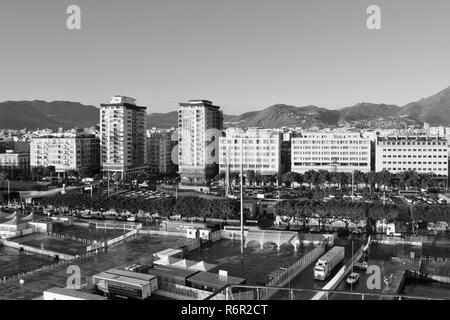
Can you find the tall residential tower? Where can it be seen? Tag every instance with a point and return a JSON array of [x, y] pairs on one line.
[[199, 128], [123, 137]]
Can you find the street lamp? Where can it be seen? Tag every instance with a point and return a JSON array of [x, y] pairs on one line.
[[8, 191], [242, 193]]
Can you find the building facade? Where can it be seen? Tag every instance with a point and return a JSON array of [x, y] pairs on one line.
[[15, 165], [420, 152], [261, 147], [331, 151], [66, 152], [199, 129], [160, 144], [123, 137]]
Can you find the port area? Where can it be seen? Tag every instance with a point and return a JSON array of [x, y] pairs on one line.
[[137, 249], [393, 261], [256, 264], [13, 261], [63, 242]]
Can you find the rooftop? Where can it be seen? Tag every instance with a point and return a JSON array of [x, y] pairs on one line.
[[75, 294]]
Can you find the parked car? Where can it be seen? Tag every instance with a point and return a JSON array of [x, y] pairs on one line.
[[361, 266], [353, 278]]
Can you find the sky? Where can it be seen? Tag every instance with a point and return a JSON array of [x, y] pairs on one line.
[[243, 55]]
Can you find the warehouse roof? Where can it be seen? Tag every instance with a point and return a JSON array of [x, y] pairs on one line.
[[121, 279], [136, 275], [171, 271], [215, 280], [75, 294]]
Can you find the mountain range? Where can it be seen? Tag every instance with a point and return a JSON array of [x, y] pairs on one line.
[[434, 110]]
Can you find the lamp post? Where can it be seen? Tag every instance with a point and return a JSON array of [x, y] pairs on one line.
[[242, 193], [8, 191]]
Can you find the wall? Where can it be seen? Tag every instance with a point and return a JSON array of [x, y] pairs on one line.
[[172, 290], [342, 273], [36, 250], [293, 270]]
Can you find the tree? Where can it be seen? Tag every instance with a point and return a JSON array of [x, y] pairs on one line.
[[3, 177], [359, 177], [322, 178], [371, 178], [384, 177], [288, 178], [251, 177], [311, 177]]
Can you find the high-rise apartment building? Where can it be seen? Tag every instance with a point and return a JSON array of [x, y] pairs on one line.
[[420, 152], [123, 137], [160, 145], [262, 150], [332, 151], [66, 152], [199, 128]]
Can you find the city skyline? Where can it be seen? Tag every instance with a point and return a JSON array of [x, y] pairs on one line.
[[246, 59]]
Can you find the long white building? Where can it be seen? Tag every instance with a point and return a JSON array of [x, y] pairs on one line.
[[123, 137], [261, 147], [199, 127], [419, 152], [331, 151]]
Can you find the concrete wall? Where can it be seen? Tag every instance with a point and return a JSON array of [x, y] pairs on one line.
[[16, 245]]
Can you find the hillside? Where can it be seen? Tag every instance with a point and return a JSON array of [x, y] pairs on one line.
[[434, 110], [41, 114]]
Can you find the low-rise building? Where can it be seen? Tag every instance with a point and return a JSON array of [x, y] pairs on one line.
[[419, 152], [332, 151], [16, 165], [261, 150], [66, 152]]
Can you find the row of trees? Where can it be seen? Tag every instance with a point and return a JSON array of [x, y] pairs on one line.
[[250, 177], [184, 206], [356, 212], [402, 180], [332, 211], [430, 213]]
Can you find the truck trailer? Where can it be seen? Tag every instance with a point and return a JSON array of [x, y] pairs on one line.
[[121, 286], [326, 264]]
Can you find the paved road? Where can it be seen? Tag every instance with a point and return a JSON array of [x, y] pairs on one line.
[[305, 280]]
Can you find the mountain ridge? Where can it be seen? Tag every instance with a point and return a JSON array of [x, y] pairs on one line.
[[41, 114]]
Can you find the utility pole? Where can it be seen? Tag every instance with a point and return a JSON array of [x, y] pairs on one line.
[[108, 183], [242, 193], [353, 181], [8, 191]]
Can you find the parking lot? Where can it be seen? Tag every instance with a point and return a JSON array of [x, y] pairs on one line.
[[145, 194]]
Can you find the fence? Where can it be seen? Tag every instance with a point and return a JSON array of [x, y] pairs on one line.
[[109, 225], [49, 267], [27, 248], [101, 245], [188, 292], [66, 236], [334, 282], [437, 259], [390, 240], [293, 270]]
